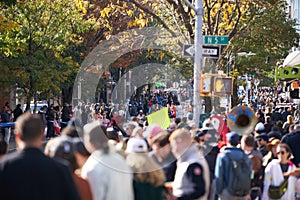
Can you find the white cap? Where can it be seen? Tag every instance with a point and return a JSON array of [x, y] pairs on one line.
[[136, 145]]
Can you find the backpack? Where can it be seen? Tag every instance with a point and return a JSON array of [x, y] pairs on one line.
[[239, 182]]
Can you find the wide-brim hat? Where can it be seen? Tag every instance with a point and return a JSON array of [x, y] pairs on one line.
[[272, 143]]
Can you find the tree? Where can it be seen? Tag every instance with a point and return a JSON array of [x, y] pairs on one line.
[[35, 51]]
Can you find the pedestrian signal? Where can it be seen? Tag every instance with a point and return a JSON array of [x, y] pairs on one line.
[[223, 85], [288, 73], [205, 83]]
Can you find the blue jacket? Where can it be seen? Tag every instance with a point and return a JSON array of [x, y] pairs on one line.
[[222, 168]]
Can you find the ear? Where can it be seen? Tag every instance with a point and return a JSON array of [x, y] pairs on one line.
[[18, 135]]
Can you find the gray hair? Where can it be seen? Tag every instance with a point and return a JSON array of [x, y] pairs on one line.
[[95, 138]]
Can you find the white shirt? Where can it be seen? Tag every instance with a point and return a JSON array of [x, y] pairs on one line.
[[109, 176]]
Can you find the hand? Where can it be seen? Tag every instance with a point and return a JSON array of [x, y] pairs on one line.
[[295, 172]]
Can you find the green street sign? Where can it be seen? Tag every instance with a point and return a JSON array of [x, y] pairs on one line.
[[217, 40]]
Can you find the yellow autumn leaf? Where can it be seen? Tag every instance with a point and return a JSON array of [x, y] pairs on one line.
[[130, 13], [105, 12]]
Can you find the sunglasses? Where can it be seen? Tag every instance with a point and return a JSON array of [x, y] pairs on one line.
[[280, 152]]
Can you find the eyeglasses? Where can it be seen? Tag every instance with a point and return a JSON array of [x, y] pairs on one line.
[[280, 152]]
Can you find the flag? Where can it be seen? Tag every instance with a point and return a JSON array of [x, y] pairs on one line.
[[160, 118]]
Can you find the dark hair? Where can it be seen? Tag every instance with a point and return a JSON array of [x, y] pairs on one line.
[[80, 148], [65, 151], [249, 140], [70, 131], [287, 148], [29, 126]]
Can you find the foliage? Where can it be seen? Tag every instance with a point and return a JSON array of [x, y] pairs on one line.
[[34, 52]]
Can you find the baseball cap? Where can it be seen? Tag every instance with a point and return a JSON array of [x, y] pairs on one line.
[[152, 130], [263, 136], [136, 145]]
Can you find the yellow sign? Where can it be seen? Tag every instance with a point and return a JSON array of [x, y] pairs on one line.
[[160, 118]]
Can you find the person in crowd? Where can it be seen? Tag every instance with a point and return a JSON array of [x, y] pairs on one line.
[[6, 117], [286, 112], [287, 124], [262, 141], [17, 112], [50, 116], [223, 167], [65, 115], [192, 175], [274, 173], [107, 172], [276, 115], [268, 124], [3, 148], [129, 128], [42, 113], [151, 131], [293, 141], [28, 173], [62, 149], [247, 144], [162, 154], [275, 133], [104, 119], [271, 147], [148, 178]]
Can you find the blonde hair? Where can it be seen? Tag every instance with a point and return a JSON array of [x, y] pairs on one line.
[[145, 169]]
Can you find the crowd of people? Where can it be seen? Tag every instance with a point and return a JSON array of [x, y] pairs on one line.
[[95, 154]]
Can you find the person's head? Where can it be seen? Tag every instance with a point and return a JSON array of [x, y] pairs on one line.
[[290, 119], [29, 130], [137, 132], [262, 140], [95, 138], [129, 128], [3, 147], [112, 134], [233, 139], [247, 143], [283, 152], [268, 119], [62, 148], [272, 146], [173, 126], [180, 140], [161, 144]]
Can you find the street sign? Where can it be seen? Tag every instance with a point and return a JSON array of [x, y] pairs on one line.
[[210, 51], [207, 51], [188, 50], [216, 40]]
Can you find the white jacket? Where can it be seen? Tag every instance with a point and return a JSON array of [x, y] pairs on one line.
[[109, 176], [274, 176]]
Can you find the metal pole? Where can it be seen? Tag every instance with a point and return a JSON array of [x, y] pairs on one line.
[[198, 42]]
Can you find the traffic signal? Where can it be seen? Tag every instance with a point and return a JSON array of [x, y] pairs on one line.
[[223, 85], [288, 73]]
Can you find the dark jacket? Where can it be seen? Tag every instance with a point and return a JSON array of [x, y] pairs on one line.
[[145, 191], [29, 174], [293, 140]]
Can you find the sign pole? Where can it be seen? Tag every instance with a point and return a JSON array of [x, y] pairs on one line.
[[198, 42]]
